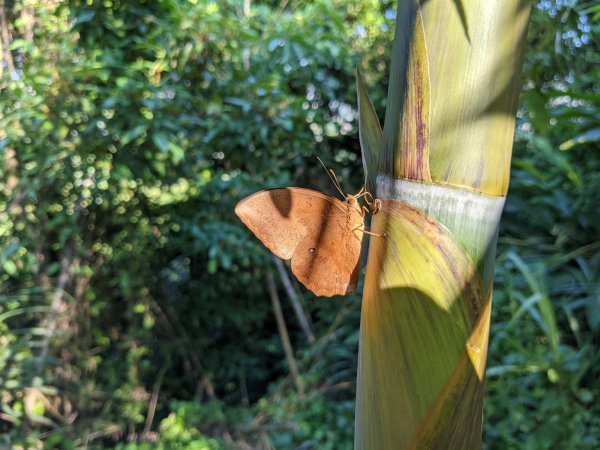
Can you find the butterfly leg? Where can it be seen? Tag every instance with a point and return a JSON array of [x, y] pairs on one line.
[[373, 234], [362, 230]]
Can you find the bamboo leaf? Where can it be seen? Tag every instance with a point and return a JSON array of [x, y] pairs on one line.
[[406, 129], [412, 155], [369, 131], [26, 310], [396, 92], [463, 18], [546, 318], [449, 423], [592, 135]]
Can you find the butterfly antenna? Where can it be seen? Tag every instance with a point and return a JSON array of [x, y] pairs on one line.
[[336, 182], [367, 195], [362, 193], [331, 174]]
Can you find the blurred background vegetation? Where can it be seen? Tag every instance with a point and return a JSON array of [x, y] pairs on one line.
[[135, 309]]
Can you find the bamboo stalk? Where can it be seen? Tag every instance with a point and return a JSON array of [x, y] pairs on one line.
[[442, 174]]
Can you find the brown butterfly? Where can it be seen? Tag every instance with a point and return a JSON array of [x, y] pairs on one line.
[[320, 234]]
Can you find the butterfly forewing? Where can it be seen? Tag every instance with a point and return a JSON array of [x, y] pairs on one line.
[[280, 218]]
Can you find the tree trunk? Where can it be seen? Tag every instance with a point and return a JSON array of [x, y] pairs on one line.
[[441, 168], [5, 41]]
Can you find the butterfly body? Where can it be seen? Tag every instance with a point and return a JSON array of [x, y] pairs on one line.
[[320, 234]]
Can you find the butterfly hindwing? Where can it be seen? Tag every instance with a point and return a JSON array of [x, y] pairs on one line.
[[328, 262]]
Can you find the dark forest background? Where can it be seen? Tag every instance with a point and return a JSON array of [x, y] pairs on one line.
[[135, 310]]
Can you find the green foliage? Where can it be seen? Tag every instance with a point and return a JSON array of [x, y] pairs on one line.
[[543, 373], [129, 130], [24, 331], [318, 422], [178, 430]]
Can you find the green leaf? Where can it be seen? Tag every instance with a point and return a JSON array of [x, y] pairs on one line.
[[592, 135], [212, 266], [177, 153], [369, 131], [8, 251], [245, 105], [10, 267], [558, 159], [161, 140], [84, 16], [21, 43], [132, 134]]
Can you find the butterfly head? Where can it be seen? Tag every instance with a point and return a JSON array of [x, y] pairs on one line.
[[373, 204], [352, 200]]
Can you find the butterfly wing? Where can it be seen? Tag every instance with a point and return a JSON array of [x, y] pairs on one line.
[[314, 230], [328, 261], [281, 218]]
